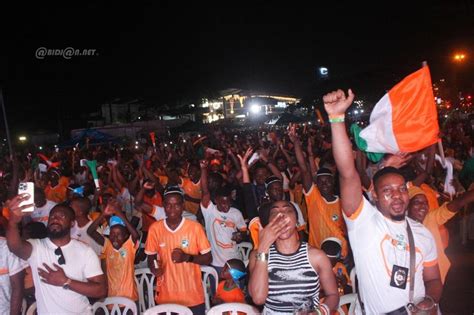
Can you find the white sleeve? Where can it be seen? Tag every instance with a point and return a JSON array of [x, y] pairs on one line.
[[239, 220], [208, 212], [92, 267], [158, 213], [15, 264], [300, 218], [431, 254], [35, 243], [361, 217]]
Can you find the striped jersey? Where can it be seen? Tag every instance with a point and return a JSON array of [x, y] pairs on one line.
[[292, 281]]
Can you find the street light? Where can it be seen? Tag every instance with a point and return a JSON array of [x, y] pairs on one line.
[[459, 57], [22, 138]]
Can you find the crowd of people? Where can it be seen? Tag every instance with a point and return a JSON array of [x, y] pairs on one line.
[[312, 205]]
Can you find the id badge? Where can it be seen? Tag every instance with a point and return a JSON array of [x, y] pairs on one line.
[[399, 277]]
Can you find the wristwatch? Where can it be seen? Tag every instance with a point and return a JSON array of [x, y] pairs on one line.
[[66, 284], [262, 256]]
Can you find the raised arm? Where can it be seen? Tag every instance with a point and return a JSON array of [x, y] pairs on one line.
[[115, 205], [16, 245], [336, 103], [312, 164], [307, 179], [206, 195], [92, 230], [264, 157], [249, 197]]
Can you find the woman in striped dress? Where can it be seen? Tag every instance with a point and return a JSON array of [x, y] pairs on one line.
[[285, 273]]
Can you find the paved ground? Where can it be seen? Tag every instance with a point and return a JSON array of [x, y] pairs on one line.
[[458, 294]]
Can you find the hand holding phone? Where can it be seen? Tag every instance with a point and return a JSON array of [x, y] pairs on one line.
[[254, 158], [27, 188]]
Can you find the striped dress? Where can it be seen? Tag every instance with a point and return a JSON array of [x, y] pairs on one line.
[[292, 281]]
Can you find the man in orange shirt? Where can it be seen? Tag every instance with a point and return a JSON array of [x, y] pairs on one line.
[[324, 208], [176, 247], [418, 210], [119, 251]]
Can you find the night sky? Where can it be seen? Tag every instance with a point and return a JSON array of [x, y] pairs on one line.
[[169, 52]]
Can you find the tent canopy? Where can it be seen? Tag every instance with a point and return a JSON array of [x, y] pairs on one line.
[[95, 138]]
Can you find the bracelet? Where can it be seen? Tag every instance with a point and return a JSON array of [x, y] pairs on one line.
[[336, 118], [262, 257], [190, 259]]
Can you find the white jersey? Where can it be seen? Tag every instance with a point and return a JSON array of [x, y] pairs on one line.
[[81, 263], [219, 229], [80, 234], [378, 244], [10, 265], [41, 214]]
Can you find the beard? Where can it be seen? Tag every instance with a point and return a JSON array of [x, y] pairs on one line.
[[58, 233], [400, 217]]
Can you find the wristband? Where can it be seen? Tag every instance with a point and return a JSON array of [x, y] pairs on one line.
[[336, 118]]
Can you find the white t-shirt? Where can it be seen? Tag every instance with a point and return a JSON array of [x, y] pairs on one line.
[[219, 229], [80, 234], [81, 263], [41, 214], [10, 265], [378, 243], [300, 219]]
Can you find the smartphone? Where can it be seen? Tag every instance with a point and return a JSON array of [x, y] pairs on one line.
[[254, 158], [28, 188], [83, 162]]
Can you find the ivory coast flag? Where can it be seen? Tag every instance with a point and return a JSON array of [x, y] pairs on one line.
[[404, 119]]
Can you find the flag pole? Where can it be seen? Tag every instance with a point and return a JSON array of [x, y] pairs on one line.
[[7, 130], [440, 141]]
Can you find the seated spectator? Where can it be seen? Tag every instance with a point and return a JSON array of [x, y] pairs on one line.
[[118, 250], [231, 288]]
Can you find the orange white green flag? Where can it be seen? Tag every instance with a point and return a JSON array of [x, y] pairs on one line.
[[405, 119]]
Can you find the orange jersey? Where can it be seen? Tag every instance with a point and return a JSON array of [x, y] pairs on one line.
[[156, 200], [56, 194], [192, 190], [254, 228], [121, 269], [297, 197], [324, 219], [181, 281], [433, 220], [233, 295]]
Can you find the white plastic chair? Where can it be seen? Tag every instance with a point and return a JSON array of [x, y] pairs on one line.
[[348, 299], [206, 274], [115, 301], [32, 309], [168, 309], [23, 307], [353, 276], [245, 248], [233, 308], [145, 279]]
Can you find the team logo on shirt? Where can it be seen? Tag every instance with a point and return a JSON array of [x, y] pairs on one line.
[[184, 243], [335, 217], [400, 242], [123, 253]]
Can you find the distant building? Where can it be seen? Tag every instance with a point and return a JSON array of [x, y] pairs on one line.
[[241, 104]]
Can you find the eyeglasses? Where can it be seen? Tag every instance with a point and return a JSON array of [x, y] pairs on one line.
[[61, 259]]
